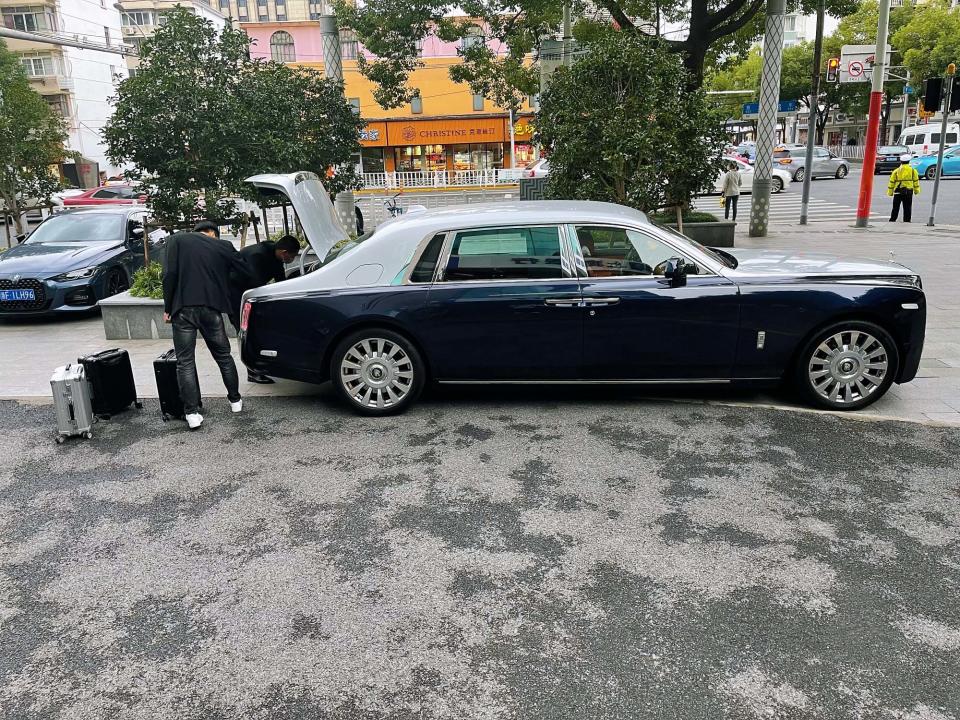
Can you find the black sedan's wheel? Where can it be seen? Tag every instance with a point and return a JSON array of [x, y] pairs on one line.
[[798, 175], [847, 366], [842, 172], [776, 185], [116, 282], [931, 173], [377, 371]]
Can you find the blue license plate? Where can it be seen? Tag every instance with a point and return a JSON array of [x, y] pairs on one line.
[[17, 295]]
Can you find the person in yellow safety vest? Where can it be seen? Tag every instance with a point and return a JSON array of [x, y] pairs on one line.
[[904, 184]]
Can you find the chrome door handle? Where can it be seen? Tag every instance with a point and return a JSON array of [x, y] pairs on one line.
[[596, 301], [562, 302]]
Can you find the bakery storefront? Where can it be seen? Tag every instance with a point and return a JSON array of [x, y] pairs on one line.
[[449, 144]]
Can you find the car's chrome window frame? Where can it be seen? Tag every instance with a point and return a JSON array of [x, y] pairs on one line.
[[566, 260], [688, 254]]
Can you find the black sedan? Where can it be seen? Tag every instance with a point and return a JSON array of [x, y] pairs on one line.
[[888, 158], [572, 292], [74, 259]]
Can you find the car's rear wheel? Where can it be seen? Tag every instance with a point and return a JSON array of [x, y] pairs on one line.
[[798, 175], [776, 184], [377, 371], [847, 366], [116, 282], [842, 172], [931, 173]]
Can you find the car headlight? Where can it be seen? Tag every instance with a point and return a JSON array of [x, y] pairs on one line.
[[77, 274]]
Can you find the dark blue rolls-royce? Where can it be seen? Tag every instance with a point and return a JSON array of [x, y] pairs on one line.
[[571, 292]]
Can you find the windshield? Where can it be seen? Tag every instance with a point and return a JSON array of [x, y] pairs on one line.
[[893, 150], [344, 248], [721, 257], [79, 227]]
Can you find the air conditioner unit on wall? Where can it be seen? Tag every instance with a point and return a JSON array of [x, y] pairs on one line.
[[840, 117]]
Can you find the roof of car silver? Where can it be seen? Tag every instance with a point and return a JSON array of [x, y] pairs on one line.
[[527, 212]]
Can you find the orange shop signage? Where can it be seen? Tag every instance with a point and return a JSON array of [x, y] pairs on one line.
[[445, 132], [374, 134]]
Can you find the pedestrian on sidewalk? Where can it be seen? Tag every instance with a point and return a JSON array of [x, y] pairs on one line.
[[904, 184], [196, 294], [264, 262], [731, 190]]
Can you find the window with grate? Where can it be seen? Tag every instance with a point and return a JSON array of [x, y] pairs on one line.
[[473, 36], [349, 47], [281, 47]]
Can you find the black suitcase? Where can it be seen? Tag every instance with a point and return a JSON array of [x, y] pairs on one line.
[[111, 382], [165, 370]]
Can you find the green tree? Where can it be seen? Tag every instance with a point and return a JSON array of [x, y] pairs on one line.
[[200, 116], [930, 40], [621, 126], [393, 29], [32, 139]]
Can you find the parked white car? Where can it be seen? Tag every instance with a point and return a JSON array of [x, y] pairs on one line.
[[779, 182], [538, 168]]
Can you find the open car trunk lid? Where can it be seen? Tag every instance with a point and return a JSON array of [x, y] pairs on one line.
[[311, 203]]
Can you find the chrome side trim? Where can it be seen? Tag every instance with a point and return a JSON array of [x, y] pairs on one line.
[[718, 381], [910, 306]]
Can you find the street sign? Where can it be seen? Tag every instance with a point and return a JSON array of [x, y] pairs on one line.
[[908, 89], [856, 62], [785, 108]]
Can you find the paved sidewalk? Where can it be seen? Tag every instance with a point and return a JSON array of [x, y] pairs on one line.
[[32, 350]]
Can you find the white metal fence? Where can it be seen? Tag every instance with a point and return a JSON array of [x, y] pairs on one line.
[[441, 179], [850, 152]]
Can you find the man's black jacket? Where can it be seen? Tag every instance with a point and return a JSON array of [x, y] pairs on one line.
[[197, 271]]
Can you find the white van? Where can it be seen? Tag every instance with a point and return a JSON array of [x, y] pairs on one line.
[[925, 139]]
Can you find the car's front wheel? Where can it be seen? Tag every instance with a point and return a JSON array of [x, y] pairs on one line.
[[776, 184], [377, 371], [847, 366], [931, 173], [842, 172], [116, 282]]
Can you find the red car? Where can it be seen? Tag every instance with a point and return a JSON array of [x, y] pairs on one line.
[[106, 195]]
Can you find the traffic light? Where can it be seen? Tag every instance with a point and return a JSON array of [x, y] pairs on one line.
[[955, 98], [833, 70], [932, 93]]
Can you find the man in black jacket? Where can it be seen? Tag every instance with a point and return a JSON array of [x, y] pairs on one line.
[[196, 293], [264, 262]]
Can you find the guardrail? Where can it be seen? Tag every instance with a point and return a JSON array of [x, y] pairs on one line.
[[442, 179], [850, 152]]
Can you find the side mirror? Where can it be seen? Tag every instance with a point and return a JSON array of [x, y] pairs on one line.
[[675, 270], [137, 234]]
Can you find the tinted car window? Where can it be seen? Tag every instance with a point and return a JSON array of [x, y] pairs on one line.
[[618, 252], [105, 194], [935, 137], [505, 254], [427, 264], [93, 227], [802, 152], [951, 138]]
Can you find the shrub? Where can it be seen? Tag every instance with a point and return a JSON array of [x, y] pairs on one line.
[[148, 282]]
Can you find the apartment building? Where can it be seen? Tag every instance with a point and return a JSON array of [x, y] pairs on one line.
[[141, 17], [77, 83], [266, 11]]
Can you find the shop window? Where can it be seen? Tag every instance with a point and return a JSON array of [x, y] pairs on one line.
[[371, 160], [482, 156], [478, 102], [421, 158], [281, 47], [416, 105]]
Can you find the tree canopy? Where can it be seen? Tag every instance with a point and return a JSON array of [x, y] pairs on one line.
[[200, 116], [929, 40], [621, 126], [32, 138]]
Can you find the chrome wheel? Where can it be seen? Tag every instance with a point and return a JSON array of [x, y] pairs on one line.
[[376, 373], [777, 185], [798, 176], [841, 172], [848, 366]]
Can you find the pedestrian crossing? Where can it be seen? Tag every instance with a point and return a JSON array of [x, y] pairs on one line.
[[785, 209]]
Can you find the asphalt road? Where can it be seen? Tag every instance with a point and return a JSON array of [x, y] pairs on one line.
[[846, 193], [493, 557]]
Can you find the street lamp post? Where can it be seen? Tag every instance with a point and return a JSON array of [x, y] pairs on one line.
[[948, 91]]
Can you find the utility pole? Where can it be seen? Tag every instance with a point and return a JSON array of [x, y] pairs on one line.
[[948, 84], [812, 117], [333, 69], [873, 124], [767, 117], [906, 104], [567, 55]]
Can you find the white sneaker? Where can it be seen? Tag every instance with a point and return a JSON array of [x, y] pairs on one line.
[[194, 420], [237, 406]]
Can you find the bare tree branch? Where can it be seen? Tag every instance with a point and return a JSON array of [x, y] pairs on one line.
[[618, 14], [731, 26], [726, 12]]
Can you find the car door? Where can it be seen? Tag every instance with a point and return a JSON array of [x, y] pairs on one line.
[[951, 162], [505, 305], [746, 176], [638, 325], [822, 163]]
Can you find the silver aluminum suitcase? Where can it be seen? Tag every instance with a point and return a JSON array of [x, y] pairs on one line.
[[71, 402]]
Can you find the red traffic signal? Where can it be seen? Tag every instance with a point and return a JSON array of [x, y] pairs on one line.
[[833, 70]]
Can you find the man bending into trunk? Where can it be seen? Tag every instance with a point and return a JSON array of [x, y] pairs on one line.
[[196, 293]]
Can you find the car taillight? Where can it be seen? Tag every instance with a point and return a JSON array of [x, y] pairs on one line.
[[245, 316]]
